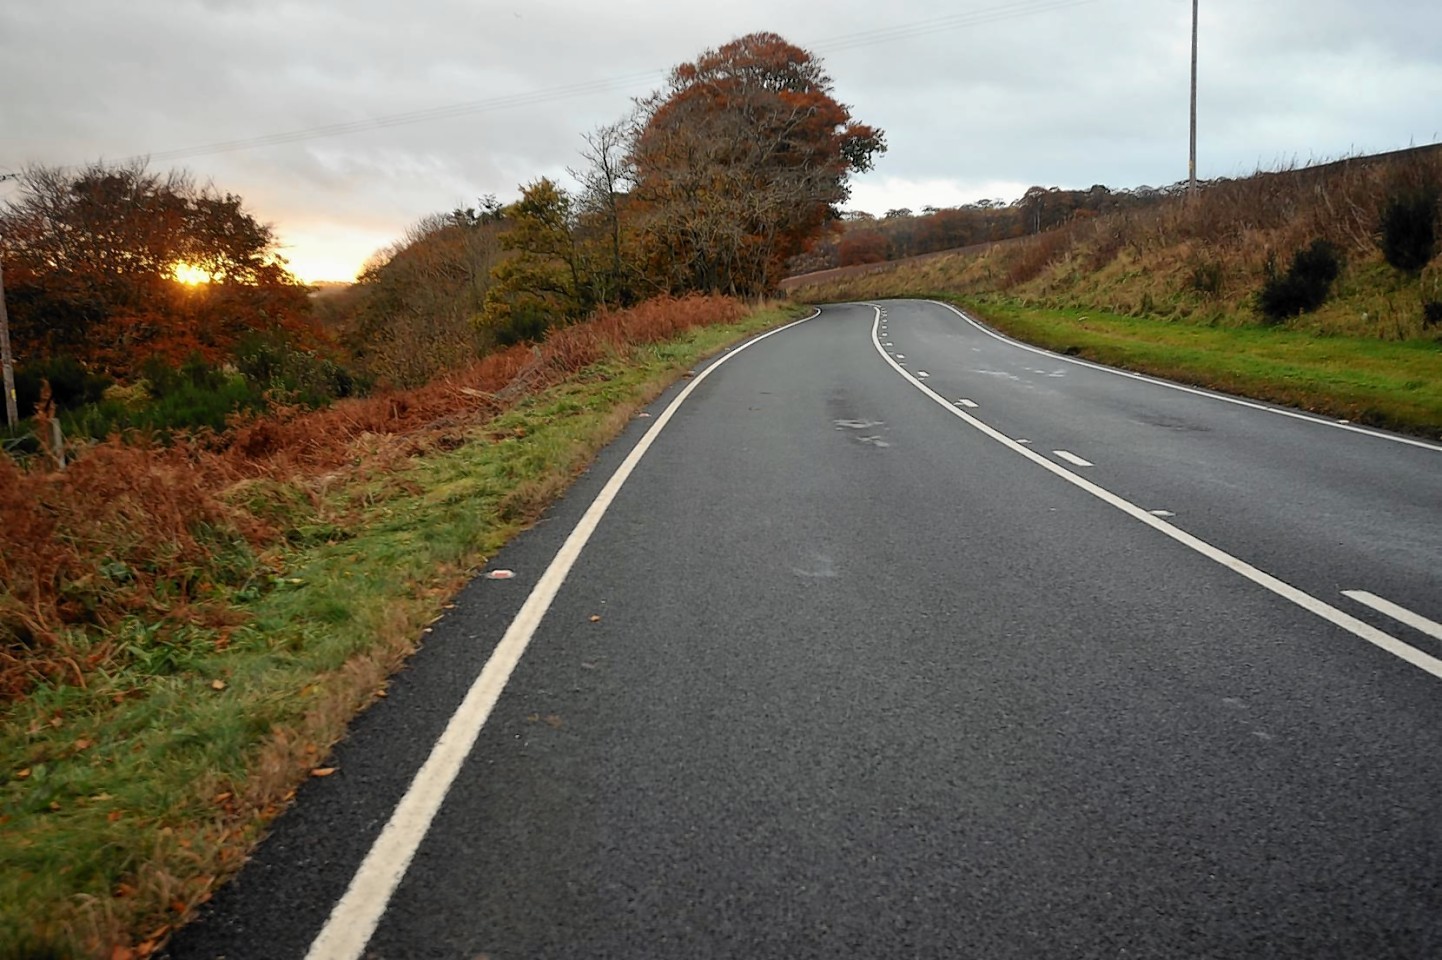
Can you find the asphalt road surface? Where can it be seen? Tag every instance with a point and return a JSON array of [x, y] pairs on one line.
[[912, 642]]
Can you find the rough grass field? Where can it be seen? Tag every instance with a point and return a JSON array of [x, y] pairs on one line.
[[1172, 290], [134, 784], [1384, 383]]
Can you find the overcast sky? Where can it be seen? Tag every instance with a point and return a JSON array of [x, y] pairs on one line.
[[978, 98]]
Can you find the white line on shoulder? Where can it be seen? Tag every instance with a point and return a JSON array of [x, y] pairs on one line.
[[1360, 628], [1279, 411], [356, 914], [1397, 612]]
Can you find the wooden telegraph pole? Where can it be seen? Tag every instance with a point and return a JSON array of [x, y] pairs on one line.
[[1192, 165], [11, 414]]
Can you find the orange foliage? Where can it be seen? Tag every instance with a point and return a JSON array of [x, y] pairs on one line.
[[133, 528], [90, 256], [740, 164]]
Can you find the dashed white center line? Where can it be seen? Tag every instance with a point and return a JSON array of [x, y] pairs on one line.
[[923, 374], [971, 404], [901, 356], [1073, 459], [1338, 618], [1161, 513], [1399, 613]]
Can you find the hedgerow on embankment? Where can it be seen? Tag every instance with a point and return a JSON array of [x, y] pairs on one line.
[[1318, 287], [188, 628]]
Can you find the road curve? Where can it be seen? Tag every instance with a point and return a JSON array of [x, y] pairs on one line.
[[913, 641]]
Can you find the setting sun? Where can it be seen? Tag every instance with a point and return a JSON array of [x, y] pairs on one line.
[[190, 274]]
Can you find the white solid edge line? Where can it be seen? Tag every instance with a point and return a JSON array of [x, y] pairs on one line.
[[1279, 411], [1397, 612], [1306, 601], [1073, 459], [356, 915]]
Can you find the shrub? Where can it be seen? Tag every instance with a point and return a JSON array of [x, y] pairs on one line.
[[1305, 285], [298, 375], [71, 385], [1409, 228], [1207, 278]]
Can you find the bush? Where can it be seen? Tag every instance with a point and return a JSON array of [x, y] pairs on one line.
[[276, 366], [71, 385], [1304, 287], [1409, 228], [1207, 278]]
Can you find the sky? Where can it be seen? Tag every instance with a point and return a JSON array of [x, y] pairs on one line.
[[343, 122]]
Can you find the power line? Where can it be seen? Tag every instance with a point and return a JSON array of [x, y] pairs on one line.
[[836, 44]]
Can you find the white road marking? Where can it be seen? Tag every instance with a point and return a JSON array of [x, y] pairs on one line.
[[1023, 441], [1399, 613], [1161, 513], [922, 373], [1073, 459], [901, 356], [1279, 411], [1378, 638], [966, 403], [355, 916]]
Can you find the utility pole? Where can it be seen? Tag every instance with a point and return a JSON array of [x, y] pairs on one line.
[[1192, 165], [12, 416]]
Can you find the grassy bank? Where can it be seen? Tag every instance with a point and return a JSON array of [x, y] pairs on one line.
[[1395, 384], [130, 794]]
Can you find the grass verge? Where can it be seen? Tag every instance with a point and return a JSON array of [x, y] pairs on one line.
[[126, 800], [1395, 384]]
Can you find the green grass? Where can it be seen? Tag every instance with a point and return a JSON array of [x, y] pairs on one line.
[[1392, 382], [125, 801], [1396, 384]]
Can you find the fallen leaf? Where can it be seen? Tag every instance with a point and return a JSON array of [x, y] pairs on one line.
[[553, 720], [322, 771], [222, 797], [595, 618], [124, 890], [217, 684], [83, 744], [114, 816], [22, 774], [54, 805]]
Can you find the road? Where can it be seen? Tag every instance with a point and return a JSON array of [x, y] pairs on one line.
[[912, 642]]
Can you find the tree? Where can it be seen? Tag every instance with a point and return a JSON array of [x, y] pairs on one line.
[[416, 302], [548, 281], [862, 246], [91, 257], [605, 182], [739, 163]]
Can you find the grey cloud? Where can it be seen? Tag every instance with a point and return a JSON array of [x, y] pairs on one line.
[[1089, 93]]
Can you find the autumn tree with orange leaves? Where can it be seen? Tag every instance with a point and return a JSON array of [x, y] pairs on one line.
[[90, 261], [739, 163]]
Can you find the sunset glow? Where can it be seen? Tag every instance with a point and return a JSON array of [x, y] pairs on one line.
[[190, 274]]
